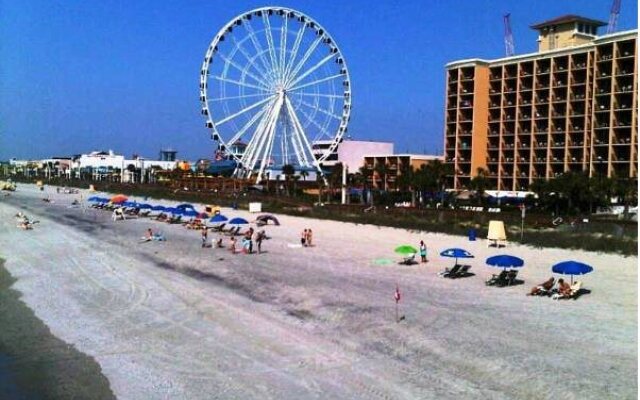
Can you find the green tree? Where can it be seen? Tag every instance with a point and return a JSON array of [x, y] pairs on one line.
[[479, 183], [288, 171], [381, 170], [406, 181]]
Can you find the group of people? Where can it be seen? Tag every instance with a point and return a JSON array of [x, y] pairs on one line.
[[247, 242], [24, 222], [563, 289], [306, 238]]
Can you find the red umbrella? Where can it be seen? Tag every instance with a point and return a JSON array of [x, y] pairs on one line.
[[119, 198]]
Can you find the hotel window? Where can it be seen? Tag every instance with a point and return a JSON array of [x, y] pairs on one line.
[[580, 27]]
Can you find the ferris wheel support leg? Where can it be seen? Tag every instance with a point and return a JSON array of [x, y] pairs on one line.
[[268, 145], [258, 132], [295, 137], [303, 138], [268, 132]]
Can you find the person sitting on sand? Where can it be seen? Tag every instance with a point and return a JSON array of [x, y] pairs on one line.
[[542, 288], [564, 289]]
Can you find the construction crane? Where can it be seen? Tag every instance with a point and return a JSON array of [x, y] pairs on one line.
[[508, 36], [613, 16]]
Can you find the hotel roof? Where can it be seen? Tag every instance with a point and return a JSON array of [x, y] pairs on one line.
[[565, 19]]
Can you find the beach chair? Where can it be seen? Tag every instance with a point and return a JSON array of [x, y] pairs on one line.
[[175, 219], [447, 273], [573, 293], [509, 279], [233, 231], [409, 260], [462, 272], [219, 228], [497, 279]]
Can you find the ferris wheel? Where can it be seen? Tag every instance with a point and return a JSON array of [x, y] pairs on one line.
[[275, 91]]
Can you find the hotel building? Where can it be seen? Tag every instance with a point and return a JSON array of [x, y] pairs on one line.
[[572, 106]]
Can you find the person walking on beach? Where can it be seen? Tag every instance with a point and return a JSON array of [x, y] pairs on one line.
[[205, 233], [423, 251], [249, 237], [233, 245], [309, 237], [303, 238], [259, 238]]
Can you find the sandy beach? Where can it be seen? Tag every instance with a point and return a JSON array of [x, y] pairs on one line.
[[168, 320]]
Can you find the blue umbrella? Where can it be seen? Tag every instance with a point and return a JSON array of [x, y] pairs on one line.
[[158, 208], [145, 206], [456, 253], [185, 206], [190, 213], [93, 198], [238, 221], [505, 261], [218, 218], [571, 268], [129, 204], [173, 210]]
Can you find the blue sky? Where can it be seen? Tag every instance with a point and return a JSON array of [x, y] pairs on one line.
[[123, 75]]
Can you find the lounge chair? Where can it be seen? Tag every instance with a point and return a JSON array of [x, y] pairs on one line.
[[462, 272], [233, 231], [497, 279], [447, 273], [219, 228], [575, 289], [175, 219], [409, 260]]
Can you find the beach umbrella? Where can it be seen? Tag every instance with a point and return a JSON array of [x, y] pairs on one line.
[[505, 261], [571, 268], [158, 208], [144, 206], [129, 204], [238, 221], [94, 199], [189, 213], [184, 206], [219, 218], [456, 253], [173, 210], [405, 249], [119, 198]]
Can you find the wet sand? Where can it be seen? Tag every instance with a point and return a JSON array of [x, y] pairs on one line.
[[34, 364], [173, 320]]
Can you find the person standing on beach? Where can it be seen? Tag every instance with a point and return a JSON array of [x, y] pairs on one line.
[[423, 251], [303, 238], [205, 233], [309, 237], [233, 245], [259, 238]]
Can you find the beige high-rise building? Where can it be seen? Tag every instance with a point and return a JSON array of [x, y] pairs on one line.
[[572, 106]]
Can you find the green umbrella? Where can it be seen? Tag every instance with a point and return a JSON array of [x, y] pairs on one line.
[[406, 249]]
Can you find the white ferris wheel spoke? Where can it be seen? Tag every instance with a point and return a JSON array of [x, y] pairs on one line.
[[310, 70], [322, 110], [272, 47], [315, 82], [266, 134], [294, 51], [249, 123], [257, 134], [259, 50], [330, 96], [249, 58], [303, 60], [244, 71], [244, 110], [315, 123], [244, 96], [268, 147], [239, 83], [283, 44], [302, 138]]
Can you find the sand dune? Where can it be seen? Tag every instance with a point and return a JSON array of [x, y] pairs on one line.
[[173, 320]]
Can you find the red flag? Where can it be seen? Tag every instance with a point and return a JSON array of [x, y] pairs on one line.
[[396, 295]]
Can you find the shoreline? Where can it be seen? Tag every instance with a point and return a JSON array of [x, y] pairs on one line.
[[35, 364]]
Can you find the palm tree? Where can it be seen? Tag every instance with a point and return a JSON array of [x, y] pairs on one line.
[[382, 169], [288, 171], [367, 174], [406, 181], [479, 183], [304, 174]]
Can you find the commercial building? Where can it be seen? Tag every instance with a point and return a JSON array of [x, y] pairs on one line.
[[571, 106], [387, 168]]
